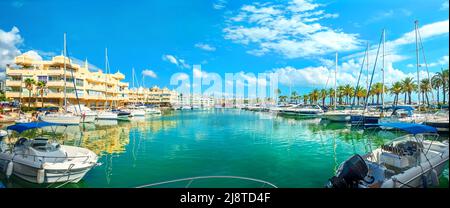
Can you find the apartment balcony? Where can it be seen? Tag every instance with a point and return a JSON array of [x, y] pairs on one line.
[[13, 83], [23, 71], [9, 94], [54, 95], [55, 83]]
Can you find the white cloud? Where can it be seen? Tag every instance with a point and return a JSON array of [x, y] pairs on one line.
[[205, 47], [174, 60], [33, 55], [219, 4], [292, 30], [9, 42], [149, 73], [394, 47], [443, 61], [426, 31], [444, 5]]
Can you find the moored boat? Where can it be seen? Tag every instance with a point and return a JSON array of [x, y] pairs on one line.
[[410, 161], [40, 160]]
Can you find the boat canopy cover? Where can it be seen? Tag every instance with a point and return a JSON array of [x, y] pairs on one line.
[[48, 109], [32, 125], [411, 128]]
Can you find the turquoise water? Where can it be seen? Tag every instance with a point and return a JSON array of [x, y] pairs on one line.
[[286, 152]]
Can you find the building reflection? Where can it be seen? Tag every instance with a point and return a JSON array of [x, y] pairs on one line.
[[106, 137]]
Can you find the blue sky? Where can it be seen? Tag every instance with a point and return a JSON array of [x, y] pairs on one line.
[[296, 39]]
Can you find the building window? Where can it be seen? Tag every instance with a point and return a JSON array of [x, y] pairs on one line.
[[42, 79]]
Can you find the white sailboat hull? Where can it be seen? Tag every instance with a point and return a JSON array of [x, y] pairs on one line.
[[136, 113], [106, 116], [67, 119]]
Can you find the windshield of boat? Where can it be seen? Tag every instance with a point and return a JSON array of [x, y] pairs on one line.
[[43, 145]]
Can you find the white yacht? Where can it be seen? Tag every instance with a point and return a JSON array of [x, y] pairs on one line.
[[303, 111], [106, 115], [403, 114], [85, 113], [42, 161], [410, 161], [439, 120], [61, 118]]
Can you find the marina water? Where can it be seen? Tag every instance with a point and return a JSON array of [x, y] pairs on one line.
[[287, 152]]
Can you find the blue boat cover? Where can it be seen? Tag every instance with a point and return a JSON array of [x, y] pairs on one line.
[[411, 127], [32, 125]]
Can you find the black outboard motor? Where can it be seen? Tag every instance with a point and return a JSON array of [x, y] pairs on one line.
[[351, 172]]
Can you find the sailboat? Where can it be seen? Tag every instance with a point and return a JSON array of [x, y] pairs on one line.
[[106, 114], [371, 115], [134, 109], [62, 117], [342, 115]]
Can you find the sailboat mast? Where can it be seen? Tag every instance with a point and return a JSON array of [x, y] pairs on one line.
[[106, 77], [335, 81], [65, 79], [367, 66], [382, 70], [417, 62]]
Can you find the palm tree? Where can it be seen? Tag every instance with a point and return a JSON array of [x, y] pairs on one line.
[[283, 98], [436, 83], [396, 89], [293, 96], [331, 94], [305, 99], [29, 83], [408, 86], [443, 76], [277, 93], [323, 95], [360, 93], [314, 96], [425, 88], [348, 93], [378, 90], [41, 87], [340, 94]]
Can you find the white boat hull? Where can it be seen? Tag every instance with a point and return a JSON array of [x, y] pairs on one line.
[[106, 116], [61, 119], [337, 117]]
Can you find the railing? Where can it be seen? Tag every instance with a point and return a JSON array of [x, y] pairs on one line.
[[51, 157], [191, 179]]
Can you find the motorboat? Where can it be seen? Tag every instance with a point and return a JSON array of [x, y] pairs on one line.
[[409, 161], [60, 118], [40, 160], [6, 119], [303, 111], [85, 113], [106, 115], [186, 107], [403, 114], [439, 120], [153, 111], [122, 115], [342, 114]]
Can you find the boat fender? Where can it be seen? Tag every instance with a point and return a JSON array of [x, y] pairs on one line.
[[9, 169], [40, 176], [434, 178]]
